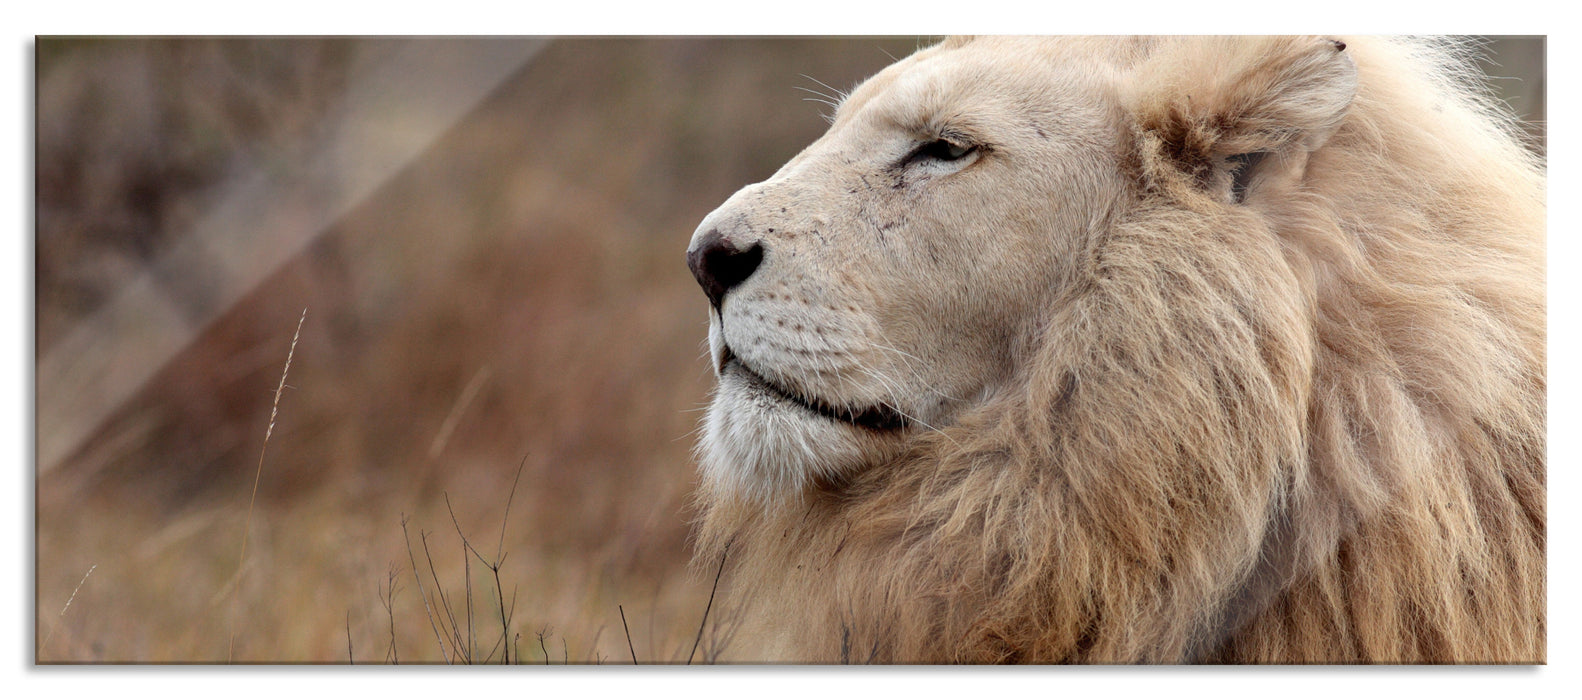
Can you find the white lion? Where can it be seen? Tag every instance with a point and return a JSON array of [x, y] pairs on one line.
[[1155, 349]]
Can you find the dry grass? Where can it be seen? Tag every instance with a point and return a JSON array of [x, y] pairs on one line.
[[514, 301], [258, 475], [511, 305]]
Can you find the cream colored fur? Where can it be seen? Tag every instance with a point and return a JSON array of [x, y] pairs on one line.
[[1163, 401]]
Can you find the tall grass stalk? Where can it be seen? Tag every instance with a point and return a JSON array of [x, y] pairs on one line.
[[247, 525], [62, 616]]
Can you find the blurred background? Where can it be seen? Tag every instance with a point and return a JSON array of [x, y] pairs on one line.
[[501, 342]]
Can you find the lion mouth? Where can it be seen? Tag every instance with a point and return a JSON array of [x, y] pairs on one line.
[[879, 418]]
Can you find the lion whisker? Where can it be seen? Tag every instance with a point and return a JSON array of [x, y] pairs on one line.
[[841, 93], [891, 388]]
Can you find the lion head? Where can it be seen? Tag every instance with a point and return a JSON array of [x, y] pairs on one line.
[[893, 274], [1135, 350]]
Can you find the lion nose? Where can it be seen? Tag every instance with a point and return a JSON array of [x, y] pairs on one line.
[[719, 265]]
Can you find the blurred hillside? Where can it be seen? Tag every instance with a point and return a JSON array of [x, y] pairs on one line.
[[488, 238]]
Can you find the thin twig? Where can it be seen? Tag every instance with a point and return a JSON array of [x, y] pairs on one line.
[[710, 606], [466, 564], [64, 608], [247, 526], [389, 603], [629, 646], [421, 593], [472, 636], [350, 660], [505, 621], [499, 559], [457, 643], [503, 661], [500, 548]]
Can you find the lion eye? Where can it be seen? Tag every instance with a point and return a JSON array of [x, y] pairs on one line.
[[944, 150]]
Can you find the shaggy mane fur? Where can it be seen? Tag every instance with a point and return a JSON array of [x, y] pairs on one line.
[[1304, 428]]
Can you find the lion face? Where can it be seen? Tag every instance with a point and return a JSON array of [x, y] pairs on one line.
[[892, 276]]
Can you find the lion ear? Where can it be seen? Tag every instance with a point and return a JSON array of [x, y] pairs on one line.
[[1221, 115]]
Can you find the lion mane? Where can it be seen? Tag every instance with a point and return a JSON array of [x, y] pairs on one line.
[[1290, 409]]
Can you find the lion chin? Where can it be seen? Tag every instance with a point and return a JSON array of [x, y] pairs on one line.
[[1161, 350]]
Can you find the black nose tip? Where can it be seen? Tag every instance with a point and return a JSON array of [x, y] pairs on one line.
[[719, 266]]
